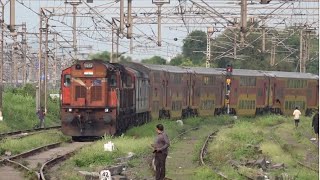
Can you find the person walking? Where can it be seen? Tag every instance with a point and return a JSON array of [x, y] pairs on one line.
[[161, 151], [296, 118], [315, 125], [41, 114]]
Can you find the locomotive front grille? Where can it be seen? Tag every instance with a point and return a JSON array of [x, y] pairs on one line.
[[96, 93], [80, 92]]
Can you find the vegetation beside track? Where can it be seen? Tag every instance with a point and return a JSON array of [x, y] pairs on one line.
[[19, 110], [279, 141], [136, 140], [16, 146]]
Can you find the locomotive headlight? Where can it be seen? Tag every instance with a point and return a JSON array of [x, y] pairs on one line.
[[106, 110], [70, 110]]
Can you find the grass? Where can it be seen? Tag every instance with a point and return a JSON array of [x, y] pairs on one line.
[[276, 137], [136, 140], [19, 110], [16, 146]]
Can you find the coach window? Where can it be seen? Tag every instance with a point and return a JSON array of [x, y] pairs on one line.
[[67, 80]]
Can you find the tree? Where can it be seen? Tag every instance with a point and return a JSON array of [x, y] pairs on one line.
[[194, 47], [154, 60], [105, 56], [178, 60]]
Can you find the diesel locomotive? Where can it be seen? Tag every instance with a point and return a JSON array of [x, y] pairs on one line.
[[99, 98]]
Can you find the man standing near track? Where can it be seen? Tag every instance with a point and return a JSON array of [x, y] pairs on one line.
[[161, 151], [41, 114], [296, 118], [315, 125]]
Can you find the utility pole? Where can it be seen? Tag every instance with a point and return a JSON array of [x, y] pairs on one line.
[[301, 50], [235, 40], [117, 51], [12, 15], [159, 24], [129, 21], [243, 27], [121, 16], [24, 52], [273, 52], [112, 41], [263, 35], [1, 56], [74, 30], [46, 65], [14, 65], [55, 61], [39, 88], [210, 31]]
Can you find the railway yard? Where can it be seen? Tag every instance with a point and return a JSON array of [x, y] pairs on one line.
[[266, 147], [96, 89]]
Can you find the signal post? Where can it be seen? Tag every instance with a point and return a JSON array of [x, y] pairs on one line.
[[228, 87]]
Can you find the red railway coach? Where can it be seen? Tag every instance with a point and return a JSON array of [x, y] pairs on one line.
[[207, 91], [168, 89], [292, 89], [248, 92], [100, 98]]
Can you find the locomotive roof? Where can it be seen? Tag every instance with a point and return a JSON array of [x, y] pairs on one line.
[[296, 75]]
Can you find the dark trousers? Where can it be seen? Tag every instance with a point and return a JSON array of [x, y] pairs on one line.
[[41, 123], [160, 162]]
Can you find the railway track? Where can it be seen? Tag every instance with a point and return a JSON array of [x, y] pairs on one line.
[[37, 162], [23, 132], [203, 152]]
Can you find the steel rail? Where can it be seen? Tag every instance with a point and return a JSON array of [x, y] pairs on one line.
[[27, 131]]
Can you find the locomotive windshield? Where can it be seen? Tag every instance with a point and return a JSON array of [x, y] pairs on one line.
[[67, 80]]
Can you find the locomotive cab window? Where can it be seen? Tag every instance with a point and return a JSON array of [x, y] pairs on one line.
[[67, 80], [113, 80]]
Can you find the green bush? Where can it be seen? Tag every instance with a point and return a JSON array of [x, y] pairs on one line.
[[19, 110]]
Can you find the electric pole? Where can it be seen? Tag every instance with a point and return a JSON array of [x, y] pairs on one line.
[[74, 12], [129, 21], [1, 56], [14, 65], [243, 27], [121, 16], [273, 52], [210, 31], [159, 24], [46, 65], [263, 35], [24, 52]]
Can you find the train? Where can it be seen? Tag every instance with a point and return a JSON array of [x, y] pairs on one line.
[[101, 98]]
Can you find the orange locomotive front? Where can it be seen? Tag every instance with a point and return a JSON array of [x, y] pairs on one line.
[[89, 99]]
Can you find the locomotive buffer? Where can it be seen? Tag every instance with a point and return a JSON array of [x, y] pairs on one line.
[[228, 87]]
